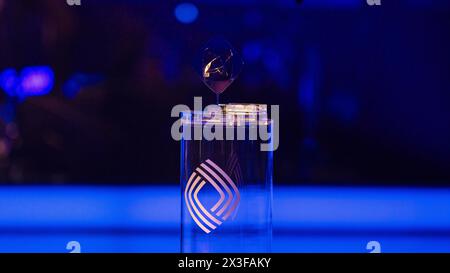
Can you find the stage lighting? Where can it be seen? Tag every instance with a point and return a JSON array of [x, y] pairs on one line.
[[35, 81], [186, 13]]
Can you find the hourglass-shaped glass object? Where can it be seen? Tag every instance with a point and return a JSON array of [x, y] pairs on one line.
[[220, 64]]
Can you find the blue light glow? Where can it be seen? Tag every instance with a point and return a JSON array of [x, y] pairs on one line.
[[32, 81], [36, 81], [343, 107], [252, 51], [8, 81], [78, 81], [306, 92], [146, 219], [142, 207], [186, 13], [308, 83]]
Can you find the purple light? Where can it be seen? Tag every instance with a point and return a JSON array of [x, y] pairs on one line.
[[35, 81]]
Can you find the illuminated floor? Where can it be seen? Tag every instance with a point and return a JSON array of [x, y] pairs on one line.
[[129, 219]]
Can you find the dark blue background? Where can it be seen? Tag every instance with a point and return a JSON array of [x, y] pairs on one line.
[[363, 90]]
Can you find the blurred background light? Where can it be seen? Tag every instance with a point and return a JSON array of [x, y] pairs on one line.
[[35, 81], [8, 81], [186, 13], [317, 208], [325, 219], [252, 51], [78, 81], [343, 107]]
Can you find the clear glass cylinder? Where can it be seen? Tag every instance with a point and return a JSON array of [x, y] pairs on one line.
[[226, 183]]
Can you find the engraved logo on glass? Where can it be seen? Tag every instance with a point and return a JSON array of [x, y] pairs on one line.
[[209, 219]]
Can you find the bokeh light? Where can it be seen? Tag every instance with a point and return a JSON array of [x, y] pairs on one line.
[[36, 81], [186, 13]]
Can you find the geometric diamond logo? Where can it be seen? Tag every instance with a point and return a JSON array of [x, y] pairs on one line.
[[209, 219]]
